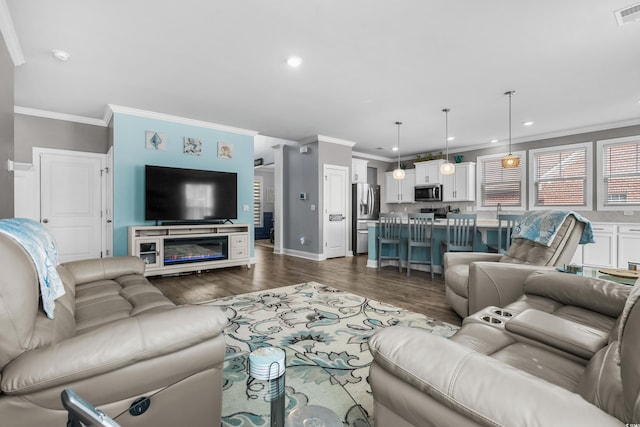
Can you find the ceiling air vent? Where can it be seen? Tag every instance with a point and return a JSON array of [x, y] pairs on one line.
[[628, 14]]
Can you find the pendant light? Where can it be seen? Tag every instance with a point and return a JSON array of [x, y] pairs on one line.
[[398, 173], [447, 168], [510, 161]]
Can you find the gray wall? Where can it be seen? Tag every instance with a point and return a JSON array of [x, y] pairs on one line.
[[6, 131], [471, 156], [301, 175], [31, 131]]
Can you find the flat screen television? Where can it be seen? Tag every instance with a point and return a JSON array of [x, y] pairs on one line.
[[190, 195]]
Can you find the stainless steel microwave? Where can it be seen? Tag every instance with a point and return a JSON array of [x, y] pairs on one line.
[[428, 193]]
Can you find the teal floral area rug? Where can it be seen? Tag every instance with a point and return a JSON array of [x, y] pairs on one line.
[[324, 333]]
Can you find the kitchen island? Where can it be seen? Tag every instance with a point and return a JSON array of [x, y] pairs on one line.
[[487, 232]]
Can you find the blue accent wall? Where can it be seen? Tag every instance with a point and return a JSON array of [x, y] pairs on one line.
[[130, 155]]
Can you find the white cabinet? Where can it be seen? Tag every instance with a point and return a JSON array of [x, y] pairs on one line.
[[149, 250], [602, 253], [628, 244], [461, 185], [359, 170], [400, 190], [428, 172]]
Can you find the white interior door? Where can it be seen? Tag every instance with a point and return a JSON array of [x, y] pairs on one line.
[[71, 199], [336, 203]]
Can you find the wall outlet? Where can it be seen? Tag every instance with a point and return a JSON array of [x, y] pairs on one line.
[[245, 208], [313, 208]]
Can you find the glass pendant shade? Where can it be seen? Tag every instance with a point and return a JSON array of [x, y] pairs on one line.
[[398, 173], [447, 168]]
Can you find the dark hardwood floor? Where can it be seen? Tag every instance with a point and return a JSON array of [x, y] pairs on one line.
[[416, 293]]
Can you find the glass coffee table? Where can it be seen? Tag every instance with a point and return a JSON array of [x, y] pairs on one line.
[[306, 395], [595, 272]]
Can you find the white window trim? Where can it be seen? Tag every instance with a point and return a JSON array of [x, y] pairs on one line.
[[600, 176], [261, 179], [588, 182], [523, 194]]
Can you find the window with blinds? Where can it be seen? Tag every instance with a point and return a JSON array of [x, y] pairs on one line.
[[497, 185], [560, 176], [620, 173], [257, 201]]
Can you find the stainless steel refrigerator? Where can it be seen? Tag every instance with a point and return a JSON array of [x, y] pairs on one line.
[[365, 206]]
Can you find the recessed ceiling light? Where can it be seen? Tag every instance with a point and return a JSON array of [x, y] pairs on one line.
[[294, 61], [529, 123], [394, 149], [451, 138], [60, 54], [494, 141]]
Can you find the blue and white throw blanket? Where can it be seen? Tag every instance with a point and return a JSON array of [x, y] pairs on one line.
[[40, 245], [542, 226]]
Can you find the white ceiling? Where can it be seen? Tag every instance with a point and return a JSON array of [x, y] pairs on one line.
[[367, 64]]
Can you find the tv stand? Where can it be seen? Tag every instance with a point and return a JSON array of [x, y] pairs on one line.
[[171, 249]]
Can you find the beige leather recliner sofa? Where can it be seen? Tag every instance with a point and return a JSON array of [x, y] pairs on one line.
[[114, 338], [474, 280], [565, 353]]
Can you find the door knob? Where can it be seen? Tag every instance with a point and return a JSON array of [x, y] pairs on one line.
[[45, 221]]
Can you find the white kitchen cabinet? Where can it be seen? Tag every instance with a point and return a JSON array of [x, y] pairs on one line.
[[400, 190], [628, 244], [428, 172], [602, 253], [461, 185], [359, 170]]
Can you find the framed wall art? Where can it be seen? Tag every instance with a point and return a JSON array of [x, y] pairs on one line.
[[155, 140], [192, 146], [225, 150]]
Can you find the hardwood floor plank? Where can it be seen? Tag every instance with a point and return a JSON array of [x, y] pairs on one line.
[[416, 293]]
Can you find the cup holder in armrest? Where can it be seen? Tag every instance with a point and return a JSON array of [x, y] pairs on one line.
[[502, 313], [492, 320]]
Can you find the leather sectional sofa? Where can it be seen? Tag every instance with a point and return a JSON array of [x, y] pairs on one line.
[[564, 353], [114, 339]]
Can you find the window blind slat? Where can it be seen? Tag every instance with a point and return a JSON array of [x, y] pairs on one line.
[[500, 185], [560, 177], [621, 174]]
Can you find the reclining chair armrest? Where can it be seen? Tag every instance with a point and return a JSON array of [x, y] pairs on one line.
[[454, 258], [483, 389], [602, 296], [497, 283], [90, 270], [114, 346]]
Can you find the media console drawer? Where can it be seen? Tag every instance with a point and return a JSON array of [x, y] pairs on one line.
[[239, 241]]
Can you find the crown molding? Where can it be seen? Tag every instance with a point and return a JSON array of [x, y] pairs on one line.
[[329, 139], [550, 135], [367, 156], [175, 119], [58, 116], [10, 37]]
